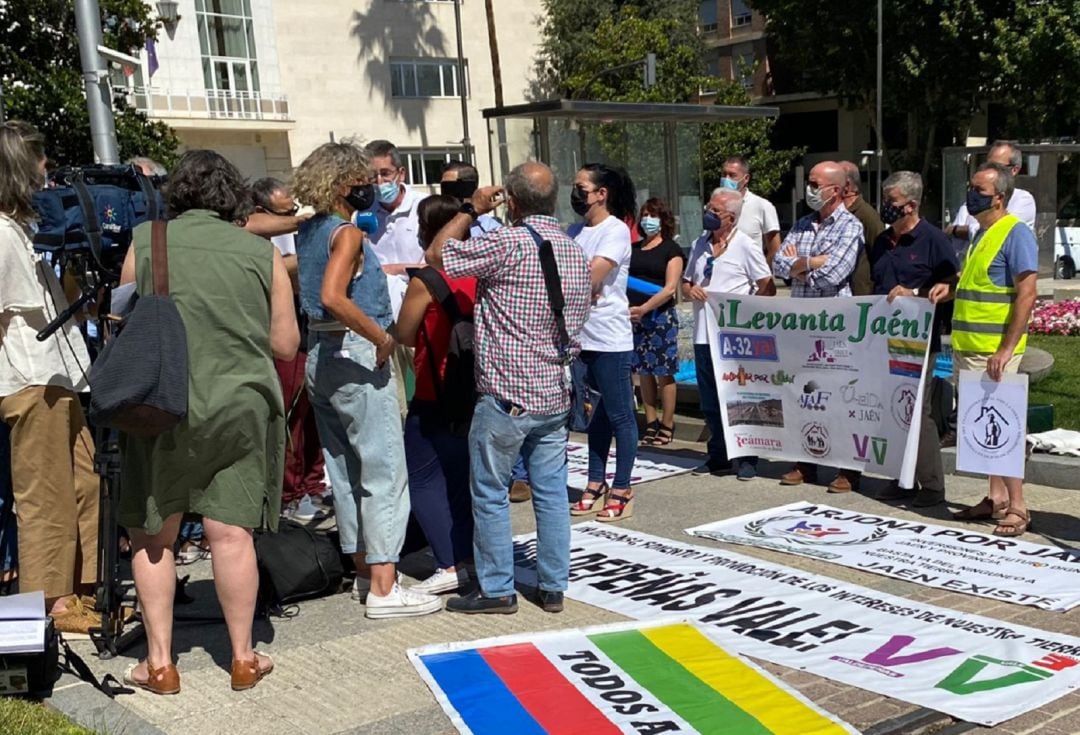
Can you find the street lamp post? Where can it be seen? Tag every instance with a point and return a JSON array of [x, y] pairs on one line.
[[96, 76], [465, 140], [880, 142]]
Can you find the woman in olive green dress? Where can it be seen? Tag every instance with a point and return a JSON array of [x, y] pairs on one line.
[[225, 460]]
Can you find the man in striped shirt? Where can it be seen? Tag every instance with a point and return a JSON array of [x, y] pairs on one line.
[[819, 256]]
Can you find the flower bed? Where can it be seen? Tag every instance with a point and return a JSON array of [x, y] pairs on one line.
[[1059, 318]]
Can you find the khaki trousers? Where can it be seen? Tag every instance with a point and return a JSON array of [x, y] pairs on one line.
[[56, 490]]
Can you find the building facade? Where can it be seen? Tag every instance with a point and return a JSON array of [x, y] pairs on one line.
[[266, 81]]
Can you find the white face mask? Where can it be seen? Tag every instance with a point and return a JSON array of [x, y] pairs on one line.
[[814, 200]]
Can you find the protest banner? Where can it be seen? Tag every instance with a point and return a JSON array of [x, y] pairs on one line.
[[648, 466], [956, 559], [829, 381], [971, 667], [666, 676], [992, 424]]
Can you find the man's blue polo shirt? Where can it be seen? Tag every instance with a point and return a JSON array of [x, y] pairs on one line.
[[918, 259]]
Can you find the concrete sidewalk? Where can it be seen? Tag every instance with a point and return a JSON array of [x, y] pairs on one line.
[[337, 672]]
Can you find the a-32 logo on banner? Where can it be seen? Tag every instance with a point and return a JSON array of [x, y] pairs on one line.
[[736, 346]]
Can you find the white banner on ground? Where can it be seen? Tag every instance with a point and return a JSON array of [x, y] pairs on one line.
[[956, 559], [647, 467], [829, 381], [992, 423], [971, 667]]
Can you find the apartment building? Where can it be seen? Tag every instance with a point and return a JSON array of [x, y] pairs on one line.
[[266, 81]]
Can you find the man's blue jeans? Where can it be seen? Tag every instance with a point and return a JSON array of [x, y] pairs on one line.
[[609, 373], [710, 406], [495, 440]]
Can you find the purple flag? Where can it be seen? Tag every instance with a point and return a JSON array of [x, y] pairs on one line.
[[151, 56]]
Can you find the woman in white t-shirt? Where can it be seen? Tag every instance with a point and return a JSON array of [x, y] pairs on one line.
[[722, 260], [604, 197]]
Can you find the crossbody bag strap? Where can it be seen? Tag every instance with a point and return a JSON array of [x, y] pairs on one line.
[[553, 285], [159, 257]]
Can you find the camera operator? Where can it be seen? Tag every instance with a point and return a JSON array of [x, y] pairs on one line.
[[54, 485]]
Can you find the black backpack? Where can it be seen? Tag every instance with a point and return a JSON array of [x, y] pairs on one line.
[[296, 563], [139, 383], [456, 392]]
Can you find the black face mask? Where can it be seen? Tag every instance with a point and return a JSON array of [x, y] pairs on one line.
[[458, 189], [579, 201], [361, 197]]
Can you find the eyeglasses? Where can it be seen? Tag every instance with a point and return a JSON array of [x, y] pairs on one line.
[[583, 190], [385, 174]]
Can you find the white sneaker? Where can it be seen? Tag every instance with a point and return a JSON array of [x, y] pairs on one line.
[[303, 511], [442, 580], [401, 603]]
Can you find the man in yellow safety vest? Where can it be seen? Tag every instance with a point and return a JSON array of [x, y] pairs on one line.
[[993, 305]]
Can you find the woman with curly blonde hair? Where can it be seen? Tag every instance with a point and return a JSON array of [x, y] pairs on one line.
[[350, 377]]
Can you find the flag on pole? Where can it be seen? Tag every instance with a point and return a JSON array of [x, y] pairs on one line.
[[151, 56]]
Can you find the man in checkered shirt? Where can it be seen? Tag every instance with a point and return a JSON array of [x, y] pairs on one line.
[[819, 256], [521, 378]]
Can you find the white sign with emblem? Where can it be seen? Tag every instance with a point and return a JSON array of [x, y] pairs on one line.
[[992, 424]]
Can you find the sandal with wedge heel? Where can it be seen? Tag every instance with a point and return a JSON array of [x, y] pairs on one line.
[[585, 506], [617, 508]]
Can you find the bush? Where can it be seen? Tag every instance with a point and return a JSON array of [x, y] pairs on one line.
[[1059, 317]]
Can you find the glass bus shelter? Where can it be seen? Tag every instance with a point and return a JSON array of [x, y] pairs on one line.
[[658, 144]]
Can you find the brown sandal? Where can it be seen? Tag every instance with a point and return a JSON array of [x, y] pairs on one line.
[[985, 510], [1010, 530], [246, 674], [165, 680]]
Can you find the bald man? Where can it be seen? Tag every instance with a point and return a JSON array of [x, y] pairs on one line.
[[861, 282], [521, 350], [819, 256]]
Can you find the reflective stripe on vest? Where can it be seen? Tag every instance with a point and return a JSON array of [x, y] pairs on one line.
[[984, 309]]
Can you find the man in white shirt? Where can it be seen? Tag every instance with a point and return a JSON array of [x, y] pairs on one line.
[[396, 242], [758, 218], [1021, 204], [723, 260]]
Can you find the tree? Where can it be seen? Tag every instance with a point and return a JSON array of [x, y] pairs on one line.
[[944, 61], [42, 79], [579, 59]]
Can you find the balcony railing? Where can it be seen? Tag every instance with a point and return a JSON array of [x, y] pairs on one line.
[[211, 104]]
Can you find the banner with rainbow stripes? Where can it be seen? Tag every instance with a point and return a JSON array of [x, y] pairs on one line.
[[642, 678]]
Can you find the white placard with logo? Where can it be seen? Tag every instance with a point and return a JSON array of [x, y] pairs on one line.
[[834, 382], [965, 559], [969, 666], [991, 420]]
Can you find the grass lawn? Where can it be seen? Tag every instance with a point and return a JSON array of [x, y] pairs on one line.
[[1062, 387], [23, 717]]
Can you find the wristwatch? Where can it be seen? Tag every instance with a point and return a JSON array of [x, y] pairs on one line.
[[469, 209]]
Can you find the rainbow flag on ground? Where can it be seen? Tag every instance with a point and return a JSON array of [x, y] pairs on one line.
[[625, 678]]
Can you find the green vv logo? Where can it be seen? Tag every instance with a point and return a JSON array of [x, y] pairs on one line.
[[878, 445]]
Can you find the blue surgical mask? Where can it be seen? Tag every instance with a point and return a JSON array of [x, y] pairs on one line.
[[711, 221], [388, 192], [650, 225], [978, 202], [729, 183]]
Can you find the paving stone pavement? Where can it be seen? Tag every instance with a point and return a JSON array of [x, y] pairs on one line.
[[337, 672]]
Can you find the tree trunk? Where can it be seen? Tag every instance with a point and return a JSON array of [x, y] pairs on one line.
[[493, 45], [929, 149]]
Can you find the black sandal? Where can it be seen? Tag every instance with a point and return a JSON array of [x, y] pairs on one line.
[[664, 436], [650, 433]]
